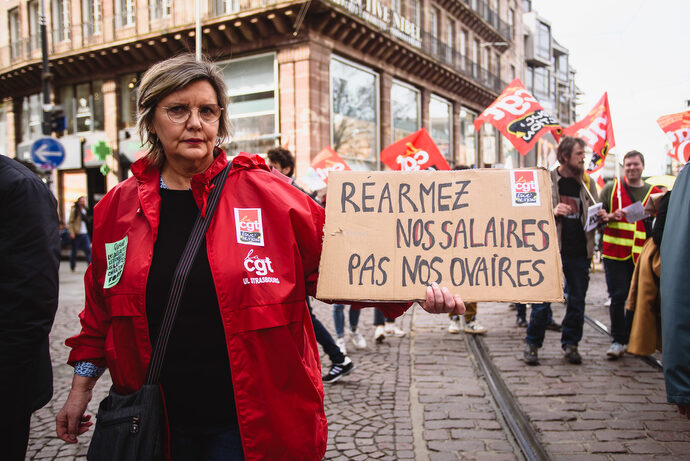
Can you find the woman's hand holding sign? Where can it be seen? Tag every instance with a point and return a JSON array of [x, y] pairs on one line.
[[440, 301]]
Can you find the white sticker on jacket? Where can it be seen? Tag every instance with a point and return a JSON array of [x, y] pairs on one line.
[[115, 257], [248, 226]]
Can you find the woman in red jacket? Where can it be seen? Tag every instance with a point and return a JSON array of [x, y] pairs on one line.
[[241, 377]]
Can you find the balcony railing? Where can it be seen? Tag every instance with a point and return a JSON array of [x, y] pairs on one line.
[[462, 64], [490, 15]]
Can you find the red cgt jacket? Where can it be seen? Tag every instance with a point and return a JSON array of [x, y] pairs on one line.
[[263, 243]]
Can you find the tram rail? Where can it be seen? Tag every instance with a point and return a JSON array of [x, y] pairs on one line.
[[517, 421]]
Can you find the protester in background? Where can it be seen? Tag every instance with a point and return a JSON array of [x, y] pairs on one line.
[[30, 256], [471, 324], [573, 192], [79, 232], [675, 295], [521, 317], [241, 375], [622, 244], [385, 326], [339, 322], [282, 161]]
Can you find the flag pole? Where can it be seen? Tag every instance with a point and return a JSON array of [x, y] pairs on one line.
[[197, 32], [618, 179]]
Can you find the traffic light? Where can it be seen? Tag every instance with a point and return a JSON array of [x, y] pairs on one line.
[[57, 120]]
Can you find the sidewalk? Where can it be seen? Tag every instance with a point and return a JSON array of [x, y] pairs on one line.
[[420, 397]]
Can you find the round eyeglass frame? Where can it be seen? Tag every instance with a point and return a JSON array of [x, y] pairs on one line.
[[189, 113]]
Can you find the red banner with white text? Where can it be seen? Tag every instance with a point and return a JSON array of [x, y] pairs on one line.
[[677, 129], [519, 117], [326, 161], [596, 129], [414, 152]]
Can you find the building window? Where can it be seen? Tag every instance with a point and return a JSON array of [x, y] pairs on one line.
[[4, 144], [475, 59], [354, 114], [397, 6], [526, 6], [468, 141], [91, 17], [83, 106], [128, 100], [125, 13], [32, 115], [61, 24], [450, 40], [433, 16], [415, 12], [405, 110], [463, 49], [541, 82], [513, 72], [221, 7], [529, 79], [489, 145], [159, 9], [34, 28], [562, 67], [440, 118], [543, 44], [511, 23], [510, 154], [15, 33], [253, 108]]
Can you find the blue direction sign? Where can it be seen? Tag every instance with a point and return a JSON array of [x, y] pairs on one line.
[[47, 153]]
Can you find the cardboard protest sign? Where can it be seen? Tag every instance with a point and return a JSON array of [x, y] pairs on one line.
[[596, 129], [519, 117], [326, 161], [414, 152], [488, 235]]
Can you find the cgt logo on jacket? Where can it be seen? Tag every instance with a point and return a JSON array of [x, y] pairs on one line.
[[261, 267], [249, 227]]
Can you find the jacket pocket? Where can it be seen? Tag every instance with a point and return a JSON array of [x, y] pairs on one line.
[[264, 316]]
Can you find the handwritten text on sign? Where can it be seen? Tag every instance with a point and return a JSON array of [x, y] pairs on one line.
[[389, 234]]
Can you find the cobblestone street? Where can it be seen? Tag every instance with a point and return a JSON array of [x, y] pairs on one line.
[[422, 397]]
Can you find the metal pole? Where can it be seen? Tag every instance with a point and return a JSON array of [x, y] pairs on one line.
[[198, 30], [46, 75]]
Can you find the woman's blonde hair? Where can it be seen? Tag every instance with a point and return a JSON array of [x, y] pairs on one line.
[[165, 78]]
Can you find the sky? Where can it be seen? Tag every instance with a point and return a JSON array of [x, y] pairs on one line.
[[637, 51]]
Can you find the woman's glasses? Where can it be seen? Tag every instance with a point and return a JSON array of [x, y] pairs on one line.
[[209, 113]]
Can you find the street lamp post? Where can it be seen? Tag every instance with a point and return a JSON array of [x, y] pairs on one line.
[[46, 75]]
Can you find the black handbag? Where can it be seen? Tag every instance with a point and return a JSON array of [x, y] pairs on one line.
[[129, 427]]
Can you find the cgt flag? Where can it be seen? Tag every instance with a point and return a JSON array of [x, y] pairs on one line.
[[677, 129], [414, 152], [596, 129], [519, 117], [326, 161]]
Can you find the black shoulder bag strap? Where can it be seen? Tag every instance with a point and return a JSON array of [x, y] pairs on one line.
[[180, 277]]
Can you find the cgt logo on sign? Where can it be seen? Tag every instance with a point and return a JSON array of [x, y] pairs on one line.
[[524, 188], [413, 158], [248, 226]]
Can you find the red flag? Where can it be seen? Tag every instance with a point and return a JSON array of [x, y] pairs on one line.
[[596, 129], [326, 161], [414, 152], [519, 117], [677, 129]]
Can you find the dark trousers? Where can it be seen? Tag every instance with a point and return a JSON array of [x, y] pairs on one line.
[[15, 422], [576, 273], [80, 242], [208, 444], [324, 338], [618, 277], [380, 319]]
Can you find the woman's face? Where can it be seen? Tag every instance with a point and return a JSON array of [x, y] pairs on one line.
[[189, 143]]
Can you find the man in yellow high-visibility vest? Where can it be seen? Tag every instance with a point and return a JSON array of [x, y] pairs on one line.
[[622, 244]]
